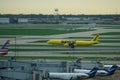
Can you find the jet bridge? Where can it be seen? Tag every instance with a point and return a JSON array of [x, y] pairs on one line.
[[15, 74]]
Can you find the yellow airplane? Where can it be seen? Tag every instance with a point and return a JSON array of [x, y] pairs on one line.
[[73, 43]]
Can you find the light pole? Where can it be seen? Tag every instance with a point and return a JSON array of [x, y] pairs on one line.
[[56, 15]]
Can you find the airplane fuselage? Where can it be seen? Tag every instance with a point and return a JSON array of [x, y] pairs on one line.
[[73, 76], [3, 51], [99, 72], [67, 76], [76, 42]]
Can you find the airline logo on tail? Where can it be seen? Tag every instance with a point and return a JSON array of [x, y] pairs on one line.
[[93, 72], [112, 70], [4, 48], [89, 75]]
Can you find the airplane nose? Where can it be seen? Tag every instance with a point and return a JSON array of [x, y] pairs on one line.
[[48, 42]]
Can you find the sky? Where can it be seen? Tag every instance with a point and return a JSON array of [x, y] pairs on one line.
[[63, 6]]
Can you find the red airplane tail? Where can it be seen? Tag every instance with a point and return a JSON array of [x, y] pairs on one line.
[[4, 48]]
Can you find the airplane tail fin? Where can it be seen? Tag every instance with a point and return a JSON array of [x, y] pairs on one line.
[[112, 70], [95, 39], [5, 46], [92, 72]]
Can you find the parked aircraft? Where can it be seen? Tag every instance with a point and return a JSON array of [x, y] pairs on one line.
[[4, 48], [73, 76], [91, 26], [106, 67], [109, 72], [73, 43]]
